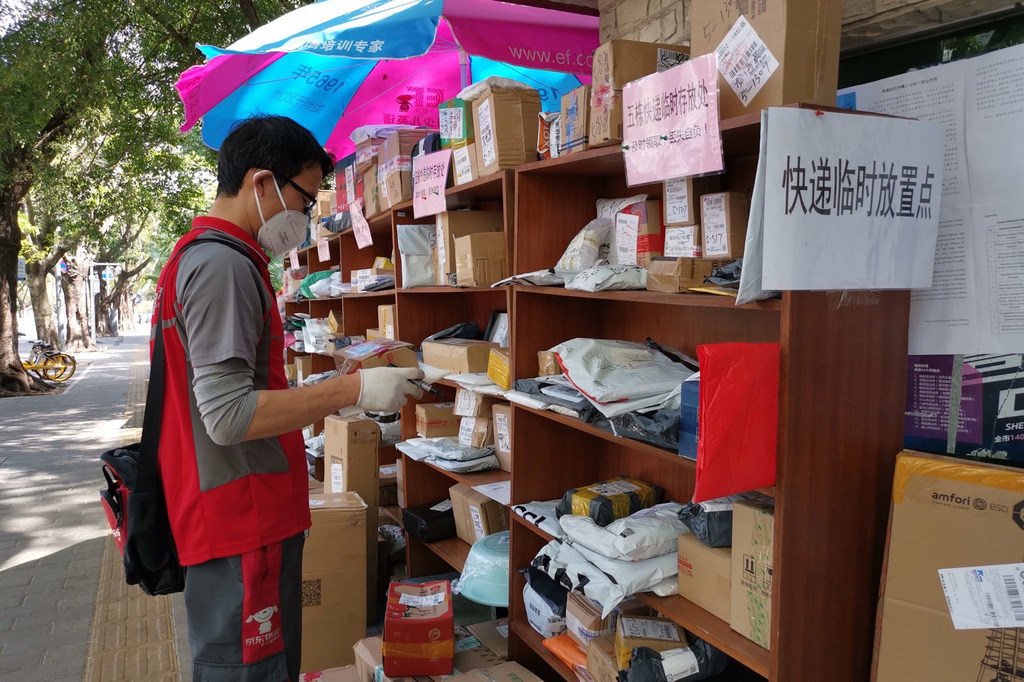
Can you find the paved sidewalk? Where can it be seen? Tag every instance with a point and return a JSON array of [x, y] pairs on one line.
[[52, 528]]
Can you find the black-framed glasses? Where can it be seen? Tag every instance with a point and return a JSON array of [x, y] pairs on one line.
[[311, 199]]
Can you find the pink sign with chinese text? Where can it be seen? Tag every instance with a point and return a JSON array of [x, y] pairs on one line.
[[670, 123], [360, 228], [429, 176]]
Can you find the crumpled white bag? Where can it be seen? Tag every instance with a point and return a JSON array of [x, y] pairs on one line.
[[589, 247], [607, 370], [609, 278], [644, 534]]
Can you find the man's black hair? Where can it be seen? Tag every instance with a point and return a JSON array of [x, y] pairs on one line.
[[274, 143]]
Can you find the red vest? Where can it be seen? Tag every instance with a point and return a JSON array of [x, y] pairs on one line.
[[249, 512]]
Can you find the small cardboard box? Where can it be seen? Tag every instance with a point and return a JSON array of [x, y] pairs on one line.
[[367, 153], [493, 634], [602, 663], [386, 320], [336, 322], [325, 202], [472, 403], [333, 581], [457, 494], [639, 236], [501, 414], [368, 660], [753, 531], [455, 118], [400, 480], [419, 629], [480, 259], [679, 274], [434, 420], [681, 201], [616, 63], [471, 654], [547, 363], [290, 373], [504, 672], [454, 224], [575, 121], [505, 122], [475, 432], [374, 333], [951, 516], [499, 368], [659, 634], [375, 353], [583, 617], [371, 192], [464, 164], [480, 515], [683, 241], [394, 165], [303, 367], [705, 575], [458, 356], [724, 225], [350, 451]]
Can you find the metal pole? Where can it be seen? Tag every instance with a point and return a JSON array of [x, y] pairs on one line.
[[464, 75]]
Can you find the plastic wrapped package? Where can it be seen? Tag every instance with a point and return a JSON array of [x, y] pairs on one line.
[[545, 602], [711, 520], [484, 577], [609, 500], [324, 288], [608, 370], [449, 448], [309, 280], [568, 651], [647, 533], [698, 661], [667, 587], [589, 247], [390, 424], [609, 278], [430, 522], [465, 467], [314, 335], [542, 515], [416, 245]]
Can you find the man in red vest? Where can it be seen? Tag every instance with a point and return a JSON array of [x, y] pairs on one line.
[[232, 458]]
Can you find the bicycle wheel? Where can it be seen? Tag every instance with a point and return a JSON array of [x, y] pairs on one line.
[[59, 367]]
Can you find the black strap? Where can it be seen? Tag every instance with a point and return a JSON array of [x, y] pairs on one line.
[[148, 472]]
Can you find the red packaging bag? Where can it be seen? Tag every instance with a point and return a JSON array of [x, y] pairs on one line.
[[739, 414]]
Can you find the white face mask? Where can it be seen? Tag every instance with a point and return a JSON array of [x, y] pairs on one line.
[[283, 231]]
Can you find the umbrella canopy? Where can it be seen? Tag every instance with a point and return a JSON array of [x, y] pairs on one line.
[[339, 64]]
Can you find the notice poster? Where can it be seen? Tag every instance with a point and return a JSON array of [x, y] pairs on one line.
[[429, 176], [360, 228]]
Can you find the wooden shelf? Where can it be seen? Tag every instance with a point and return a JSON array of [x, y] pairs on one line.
[[656, 298], [534, 639], [394, 512], [516, 518], [470, 194], [452, 550], [474, 478], [449, 290], [712, 629]]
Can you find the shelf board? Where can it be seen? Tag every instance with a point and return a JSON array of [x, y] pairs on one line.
[[468, 194], [394, 512], [452, 550], [516, 518], [451, 290], [712, 629], [476, 477], [656, 298], [534, 639]]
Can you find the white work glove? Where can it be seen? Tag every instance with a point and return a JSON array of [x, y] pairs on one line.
[[384, 389]]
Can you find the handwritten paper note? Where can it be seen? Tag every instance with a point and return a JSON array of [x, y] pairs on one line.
[[429, 176], [360, 228]]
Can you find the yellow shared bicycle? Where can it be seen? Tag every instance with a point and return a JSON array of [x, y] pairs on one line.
[[50, 363]]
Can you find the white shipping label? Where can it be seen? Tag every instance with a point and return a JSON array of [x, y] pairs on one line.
[[478, 523], [502, 432], [442, 506], [614, 488], [463, 166], [982, 597], [421, 600], [488, 146], [649, 629], [337, 476], [317, 503], [627, 228], [630, 358], [679, 242], [465, 402], [451, 123], [466, 431], [745, 61], [679, 664], [350, 184], [713, 214], [677, 200], [389, 331]]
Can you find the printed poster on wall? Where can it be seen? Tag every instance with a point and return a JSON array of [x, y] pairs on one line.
[[850, 201], [670, 123], [429, 176]]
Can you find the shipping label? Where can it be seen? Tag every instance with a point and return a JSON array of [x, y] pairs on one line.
[[613, 488], [713, 213], [442, 506], [745, 61], [478, 523], [502, 432], [451, 123], [463, 165], [649, 629], [350, 183], [680, 242], [488, 148], [323, 249], [984, 597], [337, 476], [466, 431], [421, 600], [677, 204], [627, 227], [679, 664]]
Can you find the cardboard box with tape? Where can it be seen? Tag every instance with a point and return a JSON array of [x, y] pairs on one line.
[[505, 123]]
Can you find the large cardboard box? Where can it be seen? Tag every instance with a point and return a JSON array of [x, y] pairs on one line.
[[948, 519], [480, 515], [575, 121], [434, 420], [802, 35], [616, 63], [493, 634], [505, 122], [501, 414], [602, 663], [333, 580], [679, 274], [303, 367], [480, 259], [378, 352], [419, 636], [394, 165], [705, 575], [459, 356], [724, 224], [660, 634], [504, 672], [753, 533], [453, 224], [456, 123]]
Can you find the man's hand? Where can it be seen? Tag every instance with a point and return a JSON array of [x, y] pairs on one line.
[[384, 389]]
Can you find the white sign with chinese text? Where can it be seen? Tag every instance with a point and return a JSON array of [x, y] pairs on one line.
[[429, 176], [850, 201], [670, 123]]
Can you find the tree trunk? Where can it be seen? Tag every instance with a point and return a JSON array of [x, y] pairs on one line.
[[13, 377], [118, 303], [73, 283], [42, 310]]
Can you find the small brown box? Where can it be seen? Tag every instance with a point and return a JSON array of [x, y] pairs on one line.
[[394, 165], [386, 320], [660, 634], [602, 663], [575, 121], [547, 364], [724, 224], [454, 224], [458, 356], [505, 122], [436, 419], [750, 602], [681, 200], [501, 414], [464, 163], [705, 575], [472, 403], [480, 259], [679, 274], [475, 432]]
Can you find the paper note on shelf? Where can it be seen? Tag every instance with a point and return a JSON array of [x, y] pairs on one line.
[[323, 249], [360, 228], [429, 176], [500, 492]]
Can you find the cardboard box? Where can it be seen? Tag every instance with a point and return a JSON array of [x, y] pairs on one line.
[[802, 35], [683, 241], [547, 364], [471, 655], [455, 123], [367, 277], [333, 580], [505, 122], [370, 664], [505, 672], [724, 225], [400, 479], [480, 259], [639, 236], [950, 514], [458, 356], [303, 367], [499, 368], [705, 575], [660, 634], [336, 322], [394, 165], [387, 485], [454, 224], [602, 663], [493, 634], [681, 199], [419, 637], [374, 333], [679, 274], [501, 414], [753, 531], [575, 121], [457, 494], [464, 164], [371, 192], [616, 63], [583, 617], [347, 673], [476, 515], [434, 420], [476, 432], [386, 320], [290, 373], [375, 353], [472, 403]]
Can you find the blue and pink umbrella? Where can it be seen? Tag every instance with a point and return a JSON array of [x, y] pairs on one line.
[[338, 64]]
